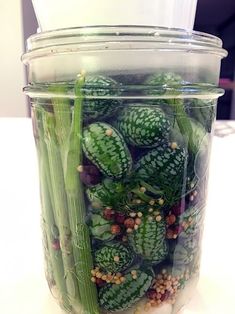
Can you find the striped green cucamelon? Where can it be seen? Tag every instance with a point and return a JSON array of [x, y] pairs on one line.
[[202, 141], [164, 83], [103, 104], [190, 242], [106, 148], [163, 80], [143, 126], [107, 193], [196, 215], [115, 297], [114, 257], [100, 228], [149, 240], [187, 247], [163, 166], [204, 111], [180, 255]]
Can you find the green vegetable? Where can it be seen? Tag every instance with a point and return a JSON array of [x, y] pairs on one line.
[[115, 297], [143, 126], [55, 256], [100, 228], [47, 260], [169, 84], [59, 201], [103, 91], [77, 209], [190, 242], [105, 257], [176, 136], [176, 270], [181, 255], [198, 163], [107, 193], [202, 141], [161, 82], [164, 170], [106, 148], [62, 114], [164, 167], [204, 111], [63, 139], [196, 215], [149, 240]]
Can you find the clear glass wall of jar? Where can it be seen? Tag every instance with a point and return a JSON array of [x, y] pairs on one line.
[[123, 122]]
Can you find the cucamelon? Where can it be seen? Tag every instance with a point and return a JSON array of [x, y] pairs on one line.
[[115, 297], [196, 215], [103, 104], [181, 255], [143, 126], [149, 240], [113, 257], [163, 79], [100, 228], [162, 161], [106, 193], [106, 148]]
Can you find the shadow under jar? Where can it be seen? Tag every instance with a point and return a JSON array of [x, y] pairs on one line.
[[123, 121]]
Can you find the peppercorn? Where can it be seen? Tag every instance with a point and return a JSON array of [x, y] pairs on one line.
[[132, 214], [109, 132], [116, 258], [158, 218], [80, 168], [120, 218], [152, 294], [115, 229], [171, 219], [108, 213], [174, 145], [142, 189], [129, 223]]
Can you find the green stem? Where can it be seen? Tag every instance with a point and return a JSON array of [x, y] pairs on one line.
[[62, 111], [149, 188], [47, 259], [197, 113], [184, 123], [60, 206], [77, 209], [55, 256], [141, 195]]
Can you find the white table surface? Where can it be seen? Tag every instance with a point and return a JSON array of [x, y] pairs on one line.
[[23, 289]]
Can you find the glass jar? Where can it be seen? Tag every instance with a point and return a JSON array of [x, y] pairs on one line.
[[123, 121]]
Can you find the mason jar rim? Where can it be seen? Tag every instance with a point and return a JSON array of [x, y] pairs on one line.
[[89, 38], [126, 92]]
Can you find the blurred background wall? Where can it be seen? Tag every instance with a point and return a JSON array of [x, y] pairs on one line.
[[18, 22], [217, 17], [12, 100]]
